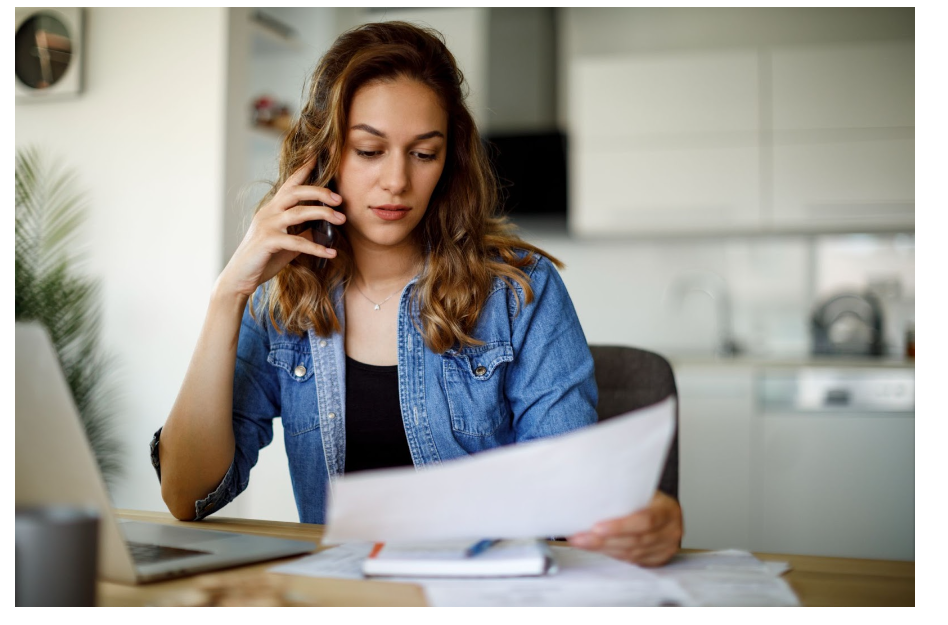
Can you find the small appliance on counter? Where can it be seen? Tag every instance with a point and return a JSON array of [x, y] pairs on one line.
[[848, 324]]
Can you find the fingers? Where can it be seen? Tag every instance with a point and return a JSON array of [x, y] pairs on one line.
[[655, 536], [649, 537], [638, 522], [301, 175], [303, 245], [295, 191], [623, 541], [648, 549], [302, 213], [653, 556], [294, 195]]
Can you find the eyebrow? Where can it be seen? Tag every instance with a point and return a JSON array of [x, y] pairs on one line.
[[379, 133]]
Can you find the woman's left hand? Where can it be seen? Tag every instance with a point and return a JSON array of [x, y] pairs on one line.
[[649, 537]]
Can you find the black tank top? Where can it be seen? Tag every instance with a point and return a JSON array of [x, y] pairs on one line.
[[375, 434]]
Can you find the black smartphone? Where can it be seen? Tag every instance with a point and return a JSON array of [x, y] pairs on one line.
[[324, 233]]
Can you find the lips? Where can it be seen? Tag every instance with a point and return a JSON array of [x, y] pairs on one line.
[[391, 212]]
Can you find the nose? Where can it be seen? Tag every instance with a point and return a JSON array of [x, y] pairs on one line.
[[395, 175]]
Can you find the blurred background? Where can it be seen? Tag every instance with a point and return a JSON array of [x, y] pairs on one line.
[[733, 188]]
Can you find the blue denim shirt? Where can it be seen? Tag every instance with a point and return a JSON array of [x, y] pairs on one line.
[[532, 377]]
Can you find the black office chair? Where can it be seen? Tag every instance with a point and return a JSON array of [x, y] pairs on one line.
[[631, 378]]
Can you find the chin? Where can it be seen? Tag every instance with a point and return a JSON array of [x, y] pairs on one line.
[[390, 237]]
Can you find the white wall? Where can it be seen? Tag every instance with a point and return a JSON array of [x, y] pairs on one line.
[[146, 141]]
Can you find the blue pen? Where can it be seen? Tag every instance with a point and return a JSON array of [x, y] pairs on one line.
[[481, 546]]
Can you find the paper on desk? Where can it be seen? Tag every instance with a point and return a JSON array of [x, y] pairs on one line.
[[554, 592], [551, 487], [727, 578], [730, 578], [345, 562], [583, 579], [723, 560]]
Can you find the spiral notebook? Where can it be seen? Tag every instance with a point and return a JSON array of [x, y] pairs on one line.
[[506, 558]]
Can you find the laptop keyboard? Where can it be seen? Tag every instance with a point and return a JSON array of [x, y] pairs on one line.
[[144, 553]]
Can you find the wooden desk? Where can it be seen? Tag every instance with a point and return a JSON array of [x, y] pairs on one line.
[[818, 581]]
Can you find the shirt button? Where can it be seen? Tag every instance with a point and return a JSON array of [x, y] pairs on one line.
[[322, 343], [332, 415], [300, 371], [480, 370]]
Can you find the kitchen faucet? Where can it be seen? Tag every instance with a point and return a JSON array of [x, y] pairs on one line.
[[714, 286]]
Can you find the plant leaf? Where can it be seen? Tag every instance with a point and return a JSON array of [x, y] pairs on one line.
[[49, 214]]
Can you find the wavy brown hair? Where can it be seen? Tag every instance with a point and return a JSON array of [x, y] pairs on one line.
[[466, 243]]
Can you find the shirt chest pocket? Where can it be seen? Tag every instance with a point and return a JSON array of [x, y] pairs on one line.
[[294, 364], [474, 379]]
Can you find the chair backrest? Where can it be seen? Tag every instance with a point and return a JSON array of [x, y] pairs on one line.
[[629, 378]]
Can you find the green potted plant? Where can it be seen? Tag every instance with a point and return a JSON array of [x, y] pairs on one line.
[[49, 289]]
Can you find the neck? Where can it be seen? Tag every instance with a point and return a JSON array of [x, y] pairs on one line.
[[382, 270]]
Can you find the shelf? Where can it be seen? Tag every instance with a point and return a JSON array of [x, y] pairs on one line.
[[273, 135]]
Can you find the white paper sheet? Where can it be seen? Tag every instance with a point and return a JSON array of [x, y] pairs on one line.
[[583, 579], [550, 487], [555, 592], [342, 562], [721, 578], [730, 578]]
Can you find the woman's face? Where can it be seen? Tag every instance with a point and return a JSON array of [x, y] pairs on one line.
[[393, 156]]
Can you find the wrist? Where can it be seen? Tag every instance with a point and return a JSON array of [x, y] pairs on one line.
[[226, 299]]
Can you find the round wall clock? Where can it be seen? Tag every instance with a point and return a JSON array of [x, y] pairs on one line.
[[48, 53]]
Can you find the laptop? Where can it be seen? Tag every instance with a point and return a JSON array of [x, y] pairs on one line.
[[55, 466]]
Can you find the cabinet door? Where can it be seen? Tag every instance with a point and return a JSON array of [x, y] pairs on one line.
[[844, 136], [837, 485], [715, 412], [664, 143]]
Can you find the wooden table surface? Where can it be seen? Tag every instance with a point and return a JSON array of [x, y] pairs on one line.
[[817, 581]]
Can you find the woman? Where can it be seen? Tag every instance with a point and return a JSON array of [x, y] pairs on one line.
[[425, 332]]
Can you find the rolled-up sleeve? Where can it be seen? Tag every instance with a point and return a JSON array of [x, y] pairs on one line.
[[217, 498]]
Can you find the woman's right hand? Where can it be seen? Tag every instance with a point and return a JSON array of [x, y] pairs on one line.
[[268, 246]]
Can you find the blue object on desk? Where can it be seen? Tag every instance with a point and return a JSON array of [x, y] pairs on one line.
[[480, 547]]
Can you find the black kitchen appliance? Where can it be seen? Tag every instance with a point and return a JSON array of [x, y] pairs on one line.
[[848, 324]]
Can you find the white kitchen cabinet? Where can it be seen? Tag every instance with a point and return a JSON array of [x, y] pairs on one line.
[[844, 136], [837, 485], [846, 183], [834, 464], [687, 189], [856, 85], [716, 411], [803, 460], [664, 143], [771, 138]]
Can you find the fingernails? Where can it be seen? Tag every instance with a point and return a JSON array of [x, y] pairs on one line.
[[336, 197]]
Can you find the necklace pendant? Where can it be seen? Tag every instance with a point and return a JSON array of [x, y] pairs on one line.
[[378, 307]]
